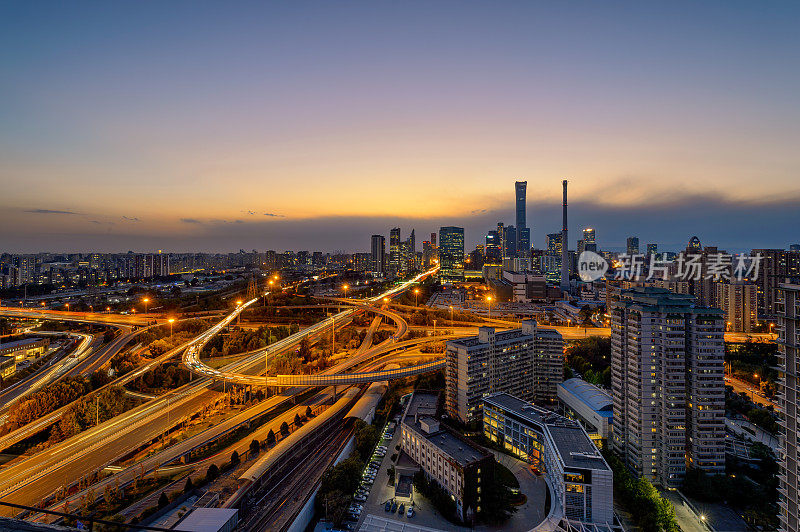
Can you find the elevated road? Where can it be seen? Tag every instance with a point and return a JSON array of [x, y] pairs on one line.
[[82, 317]]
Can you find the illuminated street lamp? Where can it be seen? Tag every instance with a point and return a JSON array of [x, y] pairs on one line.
[[451, 316], [489, 304], [171, 321], [67, 307], [345, 287], [146, 301], [416, 297]]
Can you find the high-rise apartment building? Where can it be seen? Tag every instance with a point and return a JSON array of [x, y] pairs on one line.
[[667, 383], [632, 245], [776, 266], [395, 258], [378, 253], [451, 254], [788, 308], [737, 300], [527, 363], [652, 249]]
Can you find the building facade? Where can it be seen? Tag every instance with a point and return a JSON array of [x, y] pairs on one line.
[[667, 384], [738, 300], [378, 252], [451, 254], [29, 348], [581, 480], [526, 362], [788, 308], [589, 405], [455, 464]]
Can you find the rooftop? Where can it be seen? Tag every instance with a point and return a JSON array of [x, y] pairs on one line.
[[206, 519], [422, 406], [19, 343], [571, 441], [594, 397]]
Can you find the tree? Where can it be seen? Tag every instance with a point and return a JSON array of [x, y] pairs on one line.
[[284, 428], [213, 472], [163, 500], [235, 457], [189, 486], [309, 413], [271, 437], [297, 420], [255, 447]]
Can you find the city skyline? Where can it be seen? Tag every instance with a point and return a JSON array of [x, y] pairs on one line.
[[127, 130]]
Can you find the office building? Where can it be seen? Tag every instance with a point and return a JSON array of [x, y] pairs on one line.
[[523, 232], [491, 249], [526, 362], [566, 263], [652, 249], [589, 237], [455, 464], [28, 348], [554, 243], [395, 258], [667, 384], [580, 480], [632, 245], [510, 241], [428, 254], [8, 366], [451, 254], [738, 300], [788, 308], [501, 235], [378, 252], [589, 405]]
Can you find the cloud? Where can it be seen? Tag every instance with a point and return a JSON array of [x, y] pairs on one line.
[[272, 214], [191, 221], [130, 218], [51, 211], [479, 211]]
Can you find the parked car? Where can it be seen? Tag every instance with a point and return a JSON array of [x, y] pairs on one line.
[[388, 506], [401, 510], [394, 507], [410, 512]]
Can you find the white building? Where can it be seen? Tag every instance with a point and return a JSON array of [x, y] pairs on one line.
[[667, 384], [526, 362], [579, 477], [589, 405], [788, 308]]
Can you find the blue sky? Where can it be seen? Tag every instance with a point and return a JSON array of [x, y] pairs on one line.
[[344, 119]]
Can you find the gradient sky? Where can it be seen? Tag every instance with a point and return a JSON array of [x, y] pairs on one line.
[[304, 125]]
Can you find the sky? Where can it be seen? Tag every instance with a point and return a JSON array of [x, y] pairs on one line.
[[215, 126]]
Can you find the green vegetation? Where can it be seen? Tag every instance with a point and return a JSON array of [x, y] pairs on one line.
[[754, 363], [760, 416], [591, 357], [651, 512], [337, 486]]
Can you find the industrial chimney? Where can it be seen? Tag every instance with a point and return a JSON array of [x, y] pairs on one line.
[[564, 246]]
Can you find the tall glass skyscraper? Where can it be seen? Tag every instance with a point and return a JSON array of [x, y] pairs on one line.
[[523, 237], [451, 254]]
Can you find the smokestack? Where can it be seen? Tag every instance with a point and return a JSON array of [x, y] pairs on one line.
[[564, 245]]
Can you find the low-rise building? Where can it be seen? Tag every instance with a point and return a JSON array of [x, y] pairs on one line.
[[579, 477], [25, 349], [526, 362], [8, 366], [457, 465], [588, 404]]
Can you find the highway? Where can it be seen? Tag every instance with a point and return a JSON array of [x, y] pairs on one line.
[[82, 317]]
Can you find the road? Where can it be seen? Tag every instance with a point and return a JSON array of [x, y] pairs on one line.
[[751, 391]]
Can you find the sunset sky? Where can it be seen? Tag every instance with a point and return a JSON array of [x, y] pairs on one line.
[[311, 125]]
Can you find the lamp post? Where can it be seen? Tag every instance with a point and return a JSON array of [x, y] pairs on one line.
[[489, 305], [238, 304], [171, 321], [345, 287], [452, 323], [146, 301], [416, 297], [758, 386]]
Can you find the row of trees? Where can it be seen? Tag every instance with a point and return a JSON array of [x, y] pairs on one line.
[[651, 512], [240, 340], [591, 357]]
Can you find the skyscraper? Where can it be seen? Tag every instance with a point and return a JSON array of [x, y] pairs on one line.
[[394, 251], [565, 263], [491, 248], [632, 247], [788, 306], [652, 249], [378, 253], [522, 243], [451, 254], [667, 383], [589, 236]]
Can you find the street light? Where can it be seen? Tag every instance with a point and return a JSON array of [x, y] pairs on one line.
[[489, 304], [146, 301], [451, 316], [416, 297], [171, 321], [345, 287], [67, 307]]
